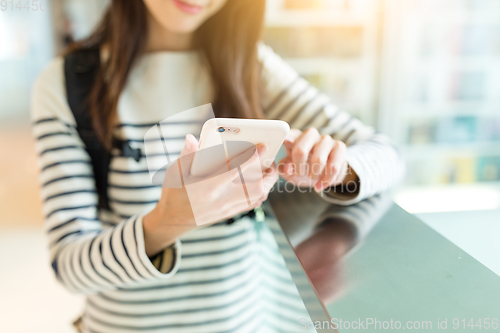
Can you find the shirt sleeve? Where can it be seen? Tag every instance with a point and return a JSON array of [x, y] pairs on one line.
[[88, 252], [289, 97], [362, 216]]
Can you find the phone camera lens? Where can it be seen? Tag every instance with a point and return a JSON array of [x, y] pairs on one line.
[[221, 129]]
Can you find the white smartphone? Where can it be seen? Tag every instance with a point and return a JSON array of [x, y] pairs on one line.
[[218, 131]]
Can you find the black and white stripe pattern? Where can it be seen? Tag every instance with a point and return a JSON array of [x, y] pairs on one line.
[[371, 155], [223, 278]]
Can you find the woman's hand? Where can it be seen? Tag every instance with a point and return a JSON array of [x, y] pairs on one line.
[[206, 200], [322, 254], [315, 160]]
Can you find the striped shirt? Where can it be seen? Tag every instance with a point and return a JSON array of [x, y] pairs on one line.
[[222, 278]]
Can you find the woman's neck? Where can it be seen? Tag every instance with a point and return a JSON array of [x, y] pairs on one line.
[[160, 39]]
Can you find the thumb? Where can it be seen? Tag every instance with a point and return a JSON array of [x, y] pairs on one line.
[[288, 146], [190, 146], [290, 139], [176, 171], [187, 154]]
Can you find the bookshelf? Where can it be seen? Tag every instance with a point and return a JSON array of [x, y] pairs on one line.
[[426, 72], [333, 44], [440, 88]]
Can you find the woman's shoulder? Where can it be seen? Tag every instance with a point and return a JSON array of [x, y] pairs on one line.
[[52, 73], [265, 53], [274, 68], [48, 99]]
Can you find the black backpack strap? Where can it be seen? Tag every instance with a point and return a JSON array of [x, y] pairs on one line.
[[80, 71]]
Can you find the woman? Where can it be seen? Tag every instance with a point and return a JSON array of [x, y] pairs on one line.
[[162, 56]]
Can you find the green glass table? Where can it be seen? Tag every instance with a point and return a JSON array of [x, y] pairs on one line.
[[374, 267]]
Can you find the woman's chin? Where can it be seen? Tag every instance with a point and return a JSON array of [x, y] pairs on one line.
[[182, 26]]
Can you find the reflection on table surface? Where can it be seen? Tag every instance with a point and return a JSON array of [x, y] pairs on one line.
[[372, 262]]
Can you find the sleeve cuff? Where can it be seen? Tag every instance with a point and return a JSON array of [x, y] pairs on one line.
[[363, 217], [170, 257], [353, 194], [165, 260]]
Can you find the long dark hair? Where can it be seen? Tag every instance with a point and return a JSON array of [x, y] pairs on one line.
[[228, 40]]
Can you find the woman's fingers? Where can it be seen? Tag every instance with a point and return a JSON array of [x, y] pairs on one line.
[[187, 153], [269, 180], [248, 155], [270, 177], [285, 166], [260, 188], [190, 146], [319, 155], [176, 173], [334, 171], [250, 168], [302, 148], [311, 155], [338, 160], [342, 174], [261, 149], [258, 192], [242, 162], [221, 194], [290, 140]]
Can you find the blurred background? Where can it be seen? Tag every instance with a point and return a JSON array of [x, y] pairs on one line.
[[425, 72]]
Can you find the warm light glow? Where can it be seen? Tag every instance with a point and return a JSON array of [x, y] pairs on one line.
[[449, 198]]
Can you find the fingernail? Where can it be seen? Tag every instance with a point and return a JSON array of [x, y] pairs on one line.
[[189, 142]]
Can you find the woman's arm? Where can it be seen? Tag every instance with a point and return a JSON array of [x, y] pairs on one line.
[[370, 155], [89, 253]]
